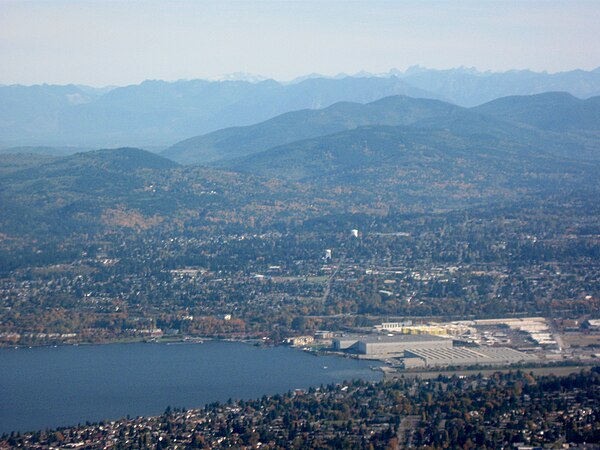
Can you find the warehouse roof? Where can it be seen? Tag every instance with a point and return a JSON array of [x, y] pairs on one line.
[[400, 338], [457, 355]]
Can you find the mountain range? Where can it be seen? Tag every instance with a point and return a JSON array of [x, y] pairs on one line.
[[397, 153], [557, 122], [159, 113], [446, 161], [308, 123], [468, 87], [156, 114]]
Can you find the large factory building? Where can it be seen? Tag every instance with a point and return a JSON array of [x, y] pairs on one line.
[[389, 345], [463, 356], [422, 350]]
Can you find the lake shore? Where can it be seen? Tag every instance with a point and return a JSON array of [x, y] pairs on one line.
[[65, 385]]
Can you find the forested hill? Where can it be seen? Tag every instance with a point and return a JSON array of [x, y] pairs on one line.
[[538, 120], [364, 169], [132, 189], [64, 194], [439, 166], [553, 111], [294, 126], [413, 155], [451, 146]]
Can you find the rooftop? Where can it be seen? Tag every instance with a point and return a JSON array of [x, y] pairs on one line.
[[400, 338]]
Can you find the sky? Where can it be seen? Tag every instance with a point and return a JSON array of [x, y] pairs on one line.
[[116, 42]]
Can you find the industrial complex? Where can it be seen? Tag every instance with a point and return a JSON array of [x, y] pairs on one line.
[[374, 344], [416, 344], [464, 356], [425, 350]]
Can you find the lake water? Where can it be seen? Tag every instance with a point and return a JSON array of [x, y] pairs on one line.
[[60, 386]]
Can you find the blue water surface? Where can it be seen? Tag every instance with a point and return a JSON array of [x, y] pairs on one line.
[[61, 386]]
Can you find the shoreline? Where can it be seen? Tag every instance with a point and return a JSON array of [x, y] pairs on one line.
[[133, 340], [253, 373], [388, 372]]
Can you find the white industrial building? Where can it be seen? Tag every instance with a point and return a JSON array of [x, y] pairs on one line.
[[464, 356], [389, 345], [346, 342], [422, 350]]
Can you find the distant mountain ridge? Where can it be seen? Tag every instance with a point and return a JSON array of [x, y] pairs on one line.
[[469, 87], [294, 126], [43, 150], [486, 152], [158, 113], [410, 167], [504, 118], [372, 150], [553, 111]]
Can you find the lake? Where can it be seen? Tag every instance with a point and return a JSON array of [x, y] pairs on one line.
[[61, 386]]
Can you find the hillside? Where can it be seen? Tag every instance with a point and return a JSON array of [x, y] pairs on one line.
[[63, 193], [14, 162], [286, 128], [567, 126], [131, 189], [443, 157], [552, 111], [470, 157]]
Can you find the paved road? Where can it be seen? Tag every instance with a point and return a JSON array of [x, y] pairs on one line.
[[330, 281]]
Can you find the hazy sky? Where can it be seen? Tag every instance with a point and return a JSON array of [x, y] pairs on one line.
[[117, 42]]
